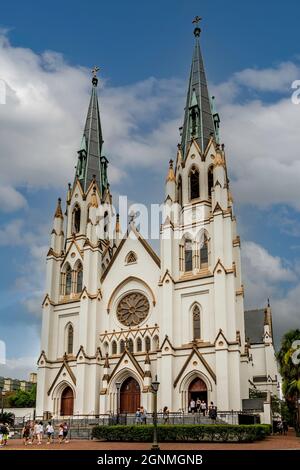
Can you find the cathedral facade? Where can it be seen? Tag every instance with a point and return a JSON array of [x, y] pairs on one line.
[[116, 315]]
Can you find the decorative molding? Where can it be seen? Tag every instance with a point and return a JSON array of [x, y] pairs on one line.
[[204, 362]]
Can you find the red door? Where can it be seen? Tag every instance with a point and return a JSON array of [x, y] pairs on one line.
[[130, 396], [197, 389], [67, 402]]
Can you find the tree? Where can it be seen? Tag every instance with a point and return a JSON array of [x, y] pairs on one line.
[[7, 417], [290, 371], [22, 399]]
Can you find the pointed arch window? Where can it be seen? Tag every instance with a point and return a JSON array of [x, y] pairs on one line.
[[179, 189], [155, 343], [122, 346], [210, 180], [130, 345], [131, 258], [204, 252], [68, 289], [76, 219], [194, 184], [188, 255], [105, 221], [139, 345], [147, 344], [70, 339], [79, 278], [114, 348], [196, 322]]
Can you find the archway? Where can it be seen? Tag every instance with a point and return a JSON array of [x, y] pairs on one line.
[[67, 402], [130, 396], [198, 389]]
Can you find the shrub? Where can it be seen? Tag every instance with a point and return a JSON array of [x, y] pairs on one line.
[[187, 432]]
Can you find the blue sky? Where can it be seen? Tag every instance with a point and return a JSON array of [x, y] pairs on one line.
[[144, 49]]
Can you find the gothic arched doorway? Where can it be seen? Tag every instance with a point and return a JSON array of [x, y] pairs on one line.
[[67, 402], [130, 396], [198, 389]]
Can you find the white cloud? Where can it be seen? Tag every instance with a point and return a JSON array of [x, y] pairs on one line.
[[270, 79], [11, 200], [19, 367]]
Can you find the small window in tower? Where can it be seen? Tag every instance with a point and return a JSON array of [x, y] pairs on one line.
[[147, 344], [188, 255], [210, 180], [70, 339], [79, 279], [139, 344], [155, 343], [179, 189], [196, 322], [194, 184], [204, 252], [68, 281], [130, 345], [122, 346], [114, 348], [76, 219]]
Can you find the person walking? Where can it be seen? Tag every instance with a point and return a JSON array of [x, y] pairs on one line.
[[285, 427], [166, 415], [26, 433], [5, 434], [65, 432], [49, 432]]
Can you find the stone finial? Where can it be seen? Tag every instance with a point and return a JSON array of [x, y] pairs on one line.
[[58, 213], [171, 174]]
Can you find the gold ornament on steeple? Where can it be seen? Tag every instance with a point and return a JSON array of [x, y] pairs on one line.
[[58, 213], [94, 202], [219, 159], [171, 174]]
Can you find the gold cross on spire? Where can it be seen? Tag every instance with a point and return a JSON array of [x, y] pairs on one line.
[[197, 20]]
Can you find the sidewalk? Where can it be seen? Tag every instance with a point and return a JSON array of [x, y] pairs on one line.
[[289, 442]]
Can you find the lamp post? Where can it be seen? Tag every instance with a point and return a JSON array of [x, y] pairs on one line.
[[2, 401], [154, 389], [118, 386]]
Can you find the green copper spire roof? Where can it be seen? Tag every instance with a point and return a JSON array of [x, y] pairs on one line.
[[198, 118], [89, 155]]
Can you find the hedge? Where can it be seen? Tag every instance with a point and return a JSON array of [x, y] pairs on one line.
[[186, 432]]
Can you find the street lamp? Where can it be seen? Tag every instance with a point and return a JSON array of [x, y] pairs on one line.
[[118, 386], [154, 389], [2, 401]]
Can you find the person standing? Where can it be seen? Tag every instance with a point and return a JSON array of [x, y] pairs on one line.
[[5, 434], [212, 412], [192, 405], [143, 415], [166, 415], [138, 416], [203, 407], [61, 433], [49, 432]]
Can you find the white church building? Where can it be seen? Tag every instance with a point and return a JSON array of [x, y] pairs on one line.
[[115, 314]]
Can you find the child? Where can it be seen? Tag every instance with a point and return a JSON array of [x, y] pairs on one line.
[[61, 433]]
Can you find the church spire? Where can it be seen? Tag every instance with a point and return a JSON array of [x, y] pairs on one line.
[[89, 155], [198, 118]]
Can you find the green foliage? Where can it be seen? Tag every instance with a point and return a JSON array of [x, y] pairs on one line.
[[22, 399], [289, 371], [7, 417], [187, 432]]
